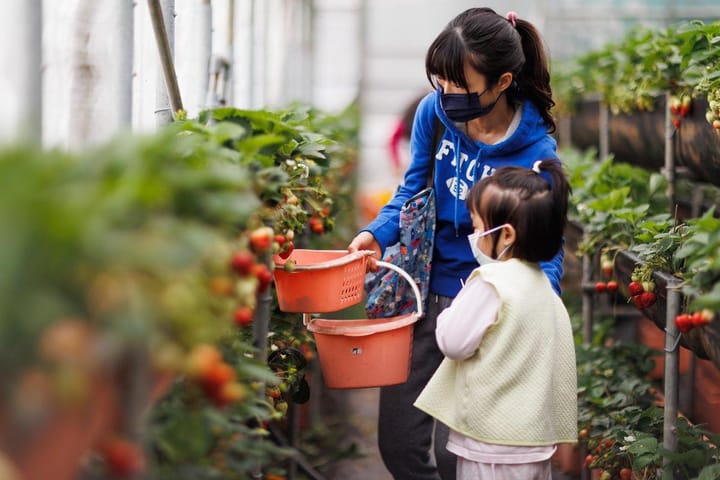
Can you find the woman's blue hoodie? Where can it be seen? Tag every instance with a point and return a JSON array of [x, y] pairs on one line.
[[452, 259]]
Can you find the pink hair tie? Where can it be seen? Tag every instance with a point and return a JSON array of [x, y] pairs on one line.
[[511, 17]]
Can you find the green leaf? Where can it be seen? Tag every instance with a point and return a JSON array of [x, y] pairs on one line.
[[711, 472], [643, 446], [224, 131]]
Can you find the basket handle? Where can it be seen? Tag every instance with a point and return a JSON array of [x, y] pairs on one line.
[[409, 279]]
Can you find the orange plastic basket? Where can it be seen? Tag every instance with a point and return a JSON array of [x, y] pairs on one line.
[[322, 280], [366, 353]]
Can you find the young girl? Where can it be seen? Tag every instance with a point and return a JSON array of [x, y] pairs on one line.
[[507, 387]]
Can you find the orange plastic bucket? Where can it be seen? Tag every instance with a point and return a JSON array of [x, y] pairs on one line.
[[364, 353], [322, 280], [368, 352]]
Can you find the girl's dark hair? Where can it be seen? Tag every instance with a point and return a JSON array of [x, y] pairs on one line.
[[493, 46], [535, 204]]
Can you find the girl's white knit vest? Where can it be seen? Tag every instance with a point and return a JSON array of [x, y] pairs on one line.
[[520, 387]]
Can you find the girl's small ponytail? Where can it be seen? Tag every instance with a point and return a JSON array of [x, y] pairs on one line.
[[551, 170]]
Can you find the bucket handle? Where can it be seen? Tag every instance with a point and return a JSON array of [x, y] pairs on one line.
[[409, 279], [418, 298]]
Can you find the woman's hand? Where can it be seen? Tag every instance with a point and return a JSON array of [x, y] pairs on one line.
[[366, 241]]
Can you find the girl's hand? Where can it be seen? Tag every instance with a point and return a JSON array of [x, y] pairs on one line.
[[366, 241]]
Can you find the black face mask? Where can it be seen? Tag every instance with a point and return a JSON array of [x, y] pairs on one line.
[[463, 107]]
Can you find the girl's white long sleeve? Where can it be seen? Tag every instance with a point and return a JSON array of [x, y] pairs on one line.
[[461, 326]]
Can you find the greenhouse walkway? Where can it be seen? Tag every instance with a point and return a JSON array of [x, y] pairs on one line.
[[359, 409]]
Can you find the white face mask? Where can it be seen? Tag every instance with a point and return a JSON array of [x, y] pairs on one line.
[[481, 258]]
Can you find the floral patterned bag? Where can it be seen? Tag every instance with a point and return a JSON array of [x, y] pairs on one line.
[[387, 293]]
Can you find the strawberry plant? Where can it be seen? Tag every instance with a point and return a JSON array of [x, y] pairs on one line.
[[610, 199], [701, 255], [620, 424], [157, 246], [629, 74]]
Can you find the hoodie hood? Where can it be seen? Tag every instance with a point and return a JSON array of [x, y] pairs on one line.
[[477, 160], [532, 128]]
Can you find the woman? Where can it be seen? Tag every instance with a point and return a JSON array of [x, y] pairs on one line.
[[492, 95]]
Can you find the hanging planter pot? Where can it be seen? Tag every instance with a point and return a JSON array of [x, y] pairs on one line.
[[625, 263], [709, 337], [637, 138]]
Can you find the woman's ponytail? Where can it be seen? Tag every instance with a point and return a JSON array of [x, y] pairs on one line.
[[534, 78]]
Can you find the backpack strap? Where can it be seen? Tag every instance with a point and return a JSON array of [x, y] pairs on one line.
[[438, 132]]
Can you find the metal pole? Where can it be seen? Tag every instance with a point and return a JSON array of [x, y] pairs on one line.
[[672, 338], [587, 298], [127, 43], [669, 153], [261, 328], [604, 130], [164, 29]]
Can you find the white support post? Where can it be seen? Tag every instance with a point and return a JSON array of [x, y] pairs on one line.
[[30, 70], [205, 35], [126, 58]]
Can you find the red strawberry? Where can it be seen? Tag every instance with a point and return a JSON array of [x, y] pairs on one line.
[[264, 276], [635, 288], [243, 316], [612, 286], [625, 474], [600, 287], [675, 105], [316, 225], [289, 247], [242, 262], [676, 122], [647, 299], [123, 458], [702, 318], [684, 322], [279, 239], [217, 376], [637, 300], [261, 239]]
